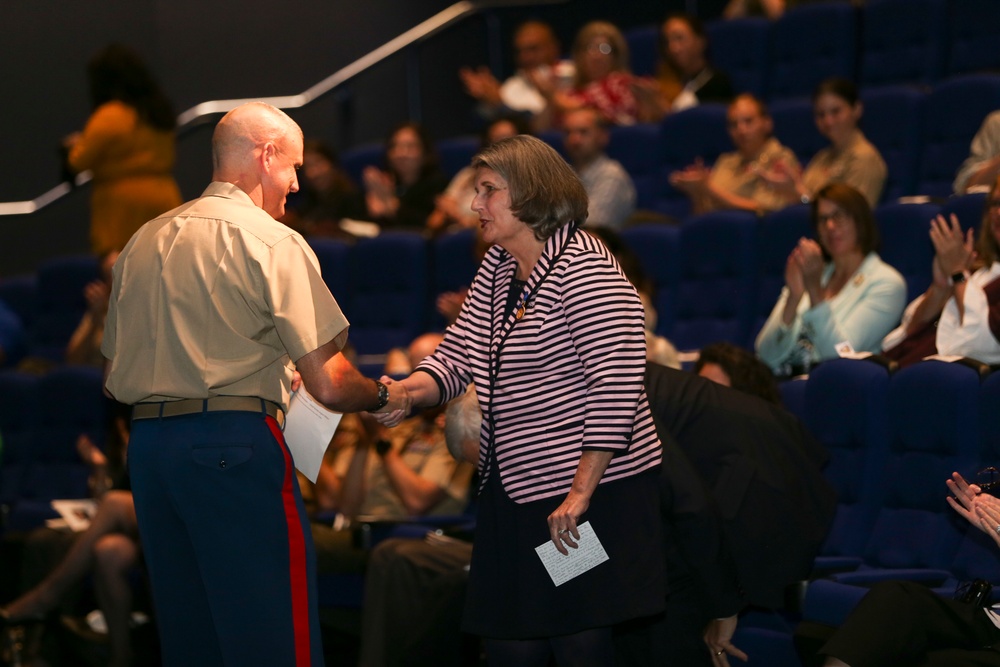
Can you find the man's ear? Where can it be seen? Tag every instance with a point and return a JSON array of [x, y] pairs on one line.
[[267, 154]]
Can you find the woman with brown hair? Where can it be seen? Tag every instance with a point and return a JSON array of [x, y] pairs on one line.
[[838, 294]]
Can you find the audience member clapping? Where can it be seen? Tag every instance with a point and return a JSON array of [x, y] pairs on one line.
[[539, 68], [849, 159], [404, 195], [959, 314], [685, 77], [737, 181], [602, 80], [839, 296], [84, 347]]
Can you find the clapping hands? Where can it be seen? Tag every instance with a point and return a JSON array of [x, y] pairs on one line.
[[955, 250], [980, 509], [692, 179], [804, 268]]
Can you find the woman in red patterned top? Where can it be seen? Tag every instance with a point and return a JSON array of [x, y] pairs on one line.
[[603, 79]]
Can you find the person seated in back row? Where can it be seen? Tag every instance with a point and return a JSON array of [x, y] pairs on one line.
[[737, 180], [370, 472], [959, 314], [839, 296], [609, 187]]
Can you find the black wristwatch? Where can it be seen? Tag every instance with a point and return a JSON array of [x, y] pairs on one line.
[[382, 447], [959, 277], [383, 396]]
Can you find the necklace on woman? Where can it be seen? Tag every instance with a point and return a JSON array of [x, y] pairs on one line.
[[522, 303]]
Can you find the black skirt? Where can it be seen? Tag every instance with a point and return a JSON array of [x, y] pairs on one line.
[[510, 594]]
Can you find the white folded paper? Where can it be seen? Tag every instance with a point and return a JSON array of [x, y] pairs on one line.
[[309, 427], [588, 554]]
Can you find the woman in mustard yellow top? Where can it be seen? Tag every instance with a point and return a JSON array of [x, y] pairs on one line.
[[128, 145]]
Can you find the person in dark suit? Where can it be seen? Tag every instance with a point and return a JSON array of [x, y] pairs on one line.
[[745, 510]]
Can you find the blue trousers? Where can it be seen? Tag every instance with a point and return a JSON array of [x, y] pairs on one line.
[[226, 540]]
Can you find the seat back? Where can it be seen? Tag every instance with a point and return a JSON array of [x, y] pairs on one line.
[[739, 47], [655, 245], [893, 118], [954, 110], [388, 280], [643, 49], [808, 44], [906, 245], [717, 279], [630, 145], [354, 160], [332, 255], [903, 42], [794, 127], [456, 153], [59, 303], [686, 136], [972, 37], [845, 409]]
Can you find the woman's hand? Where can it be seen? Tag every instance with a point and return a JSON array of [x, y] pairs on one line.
[[718, 637], [955, 250], [987, 510], [784, 180], [563, 522], [692, 179], [810, 259], [963, 498], [793, 276]]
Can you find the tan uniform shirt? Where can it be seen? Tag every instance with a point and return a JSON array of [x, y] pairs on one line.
[[860, 165], [215, 298], [732, 173]]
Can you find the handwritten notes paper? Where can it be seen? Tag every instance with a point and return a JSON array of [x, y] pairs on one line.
[[587, 555]]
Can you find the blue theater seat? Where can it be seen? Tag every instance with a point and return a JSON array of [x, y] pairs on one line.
[[332, 256], [903, 42], [739, 47], [19, 415], [59, 303], [906, 246], [795, 127], [632, 146], [684, 137], [968, 208], [808, 44], [892, 121], [354, 160], [954, 110], [643, 49], [388, 280], [973, 33], [845, 409], [453, 265], [656, 247], [456, 153], [717, 279]]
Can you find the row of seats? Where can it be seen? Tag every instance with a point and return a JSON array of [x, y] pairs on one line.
[[893, 440], [715, 277], [41, 418], [923, 136], [883, 42]]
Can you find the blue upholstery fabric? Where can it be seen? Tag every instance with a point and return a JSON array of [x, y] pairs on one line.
[[845, 408], [968, 208], [456, 153], [808, 44], [892, 121], [59, 303], [355, 160], [684, 137], [903, 41], [632, 145], [906, 245], [972, 36], [716, 285], [387, 291], [795, 127], [656, 247], [953, 113], [643, 49], [332, 256], [739, 47]]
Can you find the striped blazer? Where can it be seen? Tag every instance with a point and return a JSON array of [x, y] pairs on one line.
[[566, 377]]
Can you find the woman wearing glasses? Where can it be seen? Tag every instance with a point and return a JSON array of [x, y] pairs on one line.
[[959, 314], [838, 295], [603, 79]]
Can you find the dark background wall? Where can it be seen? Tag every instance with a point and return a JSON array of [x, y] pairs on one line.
[[242, 49]]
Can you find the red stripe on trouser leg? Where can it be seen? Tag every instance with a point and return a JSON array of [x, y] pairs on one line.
[[296, 555]]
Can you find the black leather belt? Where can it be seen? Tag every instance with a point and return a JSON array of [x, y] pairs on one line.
[[191, 406]]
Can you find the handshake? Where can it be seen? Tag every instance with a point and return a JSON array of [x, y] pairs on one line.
[[398, 406]]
